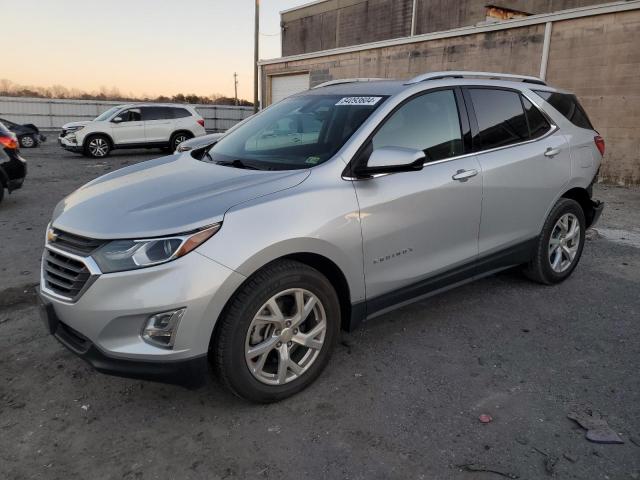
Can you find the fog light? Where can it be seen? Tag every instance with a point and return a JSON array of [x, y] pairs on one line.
[[160, 330]]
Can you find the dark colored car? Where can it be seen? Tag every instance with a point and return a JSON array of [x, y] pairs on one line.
[[29, 135], [13, 168]]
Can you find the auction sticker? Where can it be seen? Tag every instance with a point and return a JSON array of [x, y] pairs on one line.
[[359, 101]]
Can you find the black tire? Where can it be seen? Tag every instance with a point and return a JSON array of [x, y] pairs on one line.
[[177, 138], [228, 344], [539, 268], [28, 141], [1, 191], [97, 146]]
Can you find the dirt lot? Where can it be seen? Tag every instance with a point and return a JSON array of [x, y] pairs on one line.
[[400, 399]]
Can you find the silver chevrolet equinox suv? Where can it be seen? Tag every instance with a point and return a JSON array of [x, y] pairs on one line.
[[326, 209]]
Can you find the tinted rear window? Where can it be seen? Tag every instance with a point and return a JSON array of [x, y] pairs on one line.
[[156, 113], [568, 106], [180, 113], [501, 118], [3, 129], [538, 125]]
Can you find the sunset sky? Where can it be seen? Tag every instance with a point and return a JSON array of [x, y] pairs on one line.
[[149, 47]]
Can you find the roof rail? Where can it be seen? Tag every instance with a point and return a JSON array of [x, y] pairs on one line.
[[347, 80], [464, 74]]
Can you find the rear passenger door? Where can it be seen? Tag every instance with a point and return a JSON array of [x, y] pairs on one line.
[[420, 229], [158, 123], [525, 163]]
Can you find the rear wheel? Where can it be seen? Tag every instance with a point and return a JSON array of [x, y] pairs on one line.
[[278, 332], [97, 146], [27, 141], [1, 191], [560, 245], [178, 138]]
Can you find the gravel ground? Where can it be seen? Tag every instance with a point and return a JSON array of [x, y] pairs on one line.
[[400, 399]]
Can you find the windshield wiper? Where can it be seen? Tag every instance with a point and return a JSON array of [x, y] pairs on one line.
[[237, 164]]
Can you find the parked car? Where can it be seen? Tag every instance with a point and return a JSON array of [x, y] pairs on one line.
[[199, 142], [29, 135], [13, 168], [133, 126], [254, 254]]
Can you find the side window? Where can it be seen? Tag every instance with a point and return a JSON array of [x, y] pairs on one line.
[[501, 118], [538, 125], [156, 113], [180, 112], [429, 123], [131, 115], [568, 106]]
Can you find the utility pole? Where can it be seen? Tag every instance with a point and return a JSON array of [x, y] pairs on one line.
[[255, 57], [235, 84]]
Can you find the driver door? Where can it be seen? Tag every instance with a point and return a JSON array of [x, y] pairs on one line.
[[420, 228], [130, 128]]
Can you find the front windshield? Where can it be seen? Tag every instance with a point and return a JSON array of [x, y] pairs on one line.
[[103, 116], [299, 132]]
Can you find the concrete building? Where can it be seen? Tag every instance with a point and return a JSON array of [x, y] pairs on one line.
[[586, 46]]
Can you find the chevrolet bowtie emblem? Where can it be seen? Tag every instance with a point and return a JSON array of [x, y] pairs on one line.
[[51, 235]]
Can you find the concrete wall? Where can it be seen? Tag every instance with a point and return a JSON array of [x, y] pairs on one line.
[[597, 57], [51, 114], [340, 23]]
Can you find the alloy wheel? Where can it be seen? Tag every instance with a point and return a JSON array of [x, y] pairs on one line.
[[286, 336], [564, 242], [27, 142], [98, 147], [178, 140]]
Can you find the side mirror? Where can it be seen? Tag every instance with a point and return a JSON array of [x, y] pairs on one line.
[[117, 120], [392, 160]]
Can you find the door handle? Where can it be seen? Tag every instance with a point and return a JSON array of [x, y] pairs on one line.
[[464, 175], [551, 152]]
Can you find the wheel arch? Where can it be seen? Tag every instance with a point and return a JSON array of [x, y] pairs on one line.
[[182, 130], [582, 196], [98, 134], [324, 265]]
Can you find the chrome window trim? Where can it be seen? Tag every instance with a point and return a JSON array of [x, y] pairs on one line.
[[88, 262], [553, 129]]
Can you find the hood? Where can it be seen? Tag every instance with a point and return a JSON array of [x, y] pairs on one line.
[[166, 196], [75, 124]]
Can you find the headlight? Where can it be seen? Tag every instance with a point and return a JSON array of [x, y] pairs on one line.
[[74, 129], [121, 255]]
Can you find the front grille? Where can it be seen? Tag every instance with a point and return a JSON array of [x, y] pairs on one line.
[[63, 275], [75, 244]]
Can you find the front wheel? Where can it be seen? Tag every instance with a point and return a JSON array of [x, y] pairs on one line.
[[560, 244], [27, 141], [97, 146], [278, 332]]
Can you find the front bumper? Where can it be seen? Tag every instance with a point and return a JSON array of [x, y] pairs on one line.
[[190, 373], [69, 144], [104, 325]]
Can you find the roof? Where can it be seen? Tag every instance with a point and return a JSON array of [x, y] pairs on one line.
[[436, 79]]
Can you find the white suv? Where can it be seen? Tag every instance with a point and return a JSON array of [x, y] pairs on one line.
[[133, 126]]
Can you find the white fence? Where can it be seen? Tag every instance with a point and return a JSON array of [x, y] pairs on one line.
[[51, 114]]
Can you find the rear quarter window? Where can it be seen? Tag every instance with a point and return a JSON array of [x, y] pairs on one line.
[[568, 106], [180, 113]]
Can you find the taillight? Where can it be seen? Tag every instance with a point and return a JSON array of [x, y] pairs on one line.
[[8, 142], [201, 122], [599, 143]]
